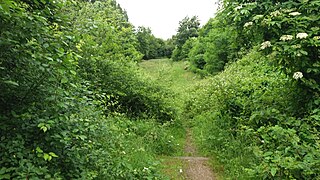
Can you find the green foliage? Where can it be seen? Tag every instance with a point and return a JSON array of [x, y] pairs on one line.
[[258, 116], [215, 47], [73, 104], [188, 28], [252, 119], [289, 29], [150, 46]]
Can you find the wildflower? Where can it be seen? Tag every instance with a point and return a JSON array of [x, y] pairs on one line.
[[302, 35], [145, 169], [297, 75], [265, 45], [275, 13], [248, 24], [286, 37], [294, 14], [316, 37], [180, 170], [262, 141]]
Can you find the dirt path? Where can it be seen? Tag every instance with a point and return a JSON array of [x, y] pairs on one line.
[[197, 167], [189, 166]]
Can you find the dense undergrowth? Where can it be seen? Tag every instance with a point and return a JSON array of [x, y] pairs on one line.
[[251, 119], [73, 103], [258, 114]]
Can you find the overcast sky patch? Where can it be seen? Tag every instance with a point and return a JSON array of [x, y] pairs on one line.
[[163, 16]]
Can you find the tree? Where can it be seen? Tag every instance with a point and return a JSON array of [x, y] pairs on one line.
[[188, 28], [150, 46]]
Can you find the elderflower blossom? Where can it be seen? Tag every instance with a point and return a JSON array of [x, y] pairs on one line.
[[265, 45], [297, 75], [316, 38], [294, 14], [286, 37], [275, 13], [302, 35], [248, 24]]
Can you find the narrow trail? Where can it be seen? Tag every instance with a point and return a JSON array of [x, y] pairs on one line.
[[197, 167], [188, 165]]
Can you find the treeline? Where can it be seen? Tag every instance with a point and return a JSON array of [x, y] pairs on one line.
[[258, 114], [152, 47], [73, 104]]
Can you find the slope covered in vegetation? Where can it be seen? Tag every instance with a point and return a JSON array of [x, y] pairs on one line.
[[73, 103], [259, 113]]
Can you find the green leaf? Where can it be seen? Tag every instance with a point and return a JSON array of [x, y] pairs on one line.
[[5, 176], [273, 171], [52, 154], [43, 127], [64, 80], [11, 83], [73, 72], [46, 157], [39, 150]]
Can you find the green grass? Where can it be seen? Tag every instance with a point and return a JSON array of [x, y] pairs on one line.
[[172, 168], [174, 76]]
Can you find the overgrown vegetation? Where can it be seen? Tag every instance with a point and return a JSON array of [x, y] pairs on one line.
[[260, 116], [188, 29], [150, 46], [73, 104]]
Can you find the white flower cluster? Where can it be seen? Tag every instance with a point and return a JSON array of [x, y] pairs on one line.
[[294, 14], [302, 35], [286, 37], [275, 13], [265, 45], [316, 38], [297, 75], [247, 24]]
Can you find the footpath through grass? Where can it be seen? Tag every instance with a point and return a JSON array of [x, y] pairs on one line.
[[176, 77], [173, 75]]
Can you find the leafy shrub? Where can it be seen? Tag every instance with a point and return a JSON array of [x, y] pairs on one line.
[[215, 47], [250, 117], [68, 89]]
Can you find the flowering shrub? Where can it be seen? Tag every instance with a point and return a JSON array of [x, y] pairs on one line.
[[291, 27], [251, 119], [262, 122]]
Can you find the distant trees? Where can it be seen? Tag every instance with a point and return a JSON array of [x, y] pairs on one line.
[[188, 28], [150, 46]]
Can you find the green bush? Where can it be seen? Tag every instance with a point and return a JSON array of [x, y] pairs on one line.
[[250, 117], [71, 91]]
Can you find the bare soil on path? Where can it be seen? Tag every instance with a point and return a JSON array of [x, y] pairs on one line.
[[197, 168]]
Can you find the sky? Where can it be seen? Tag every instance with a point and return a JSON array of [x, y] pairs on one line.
[[163, 16]]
